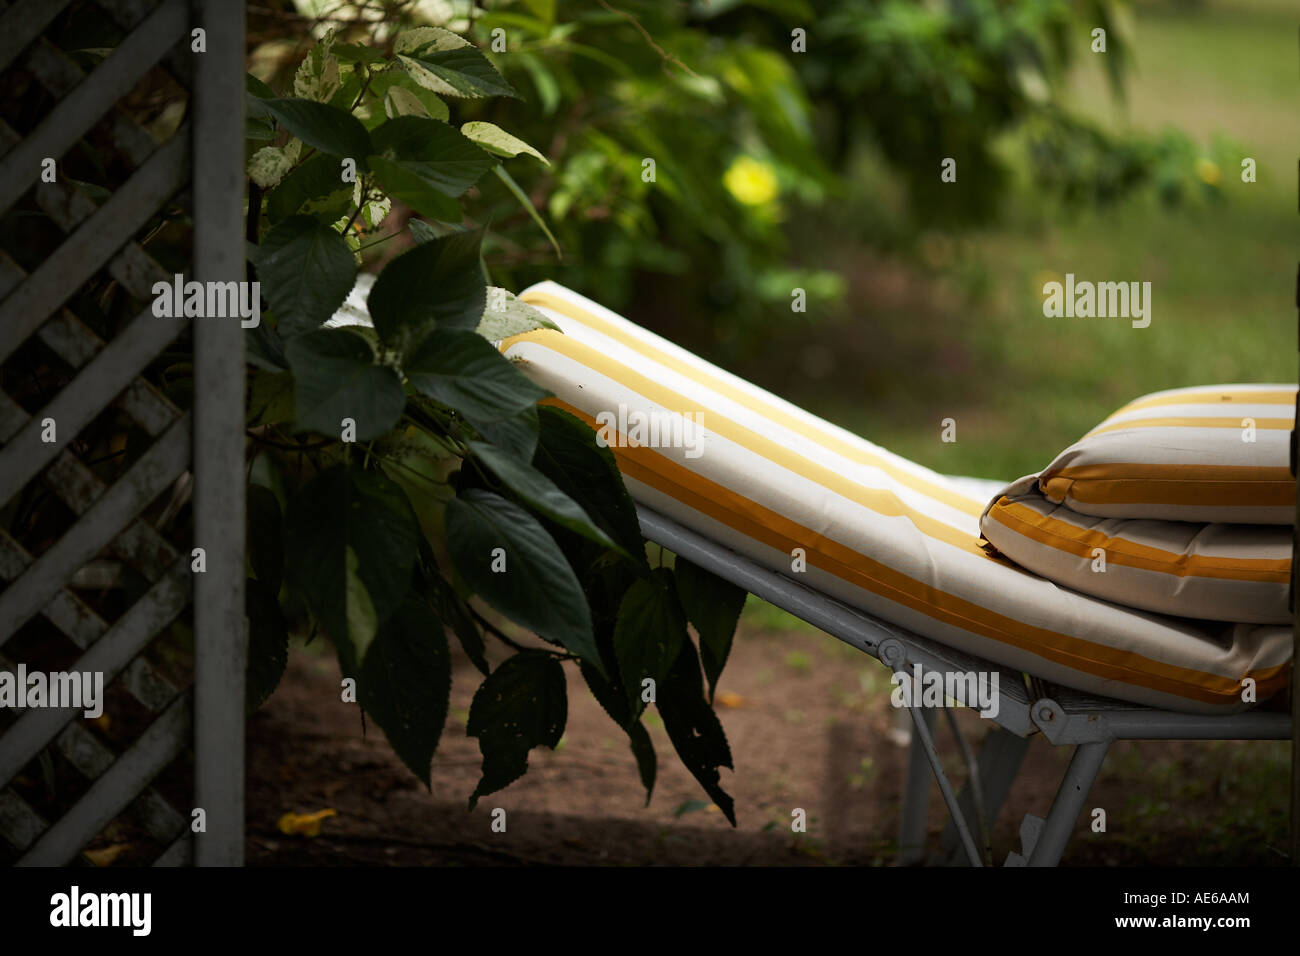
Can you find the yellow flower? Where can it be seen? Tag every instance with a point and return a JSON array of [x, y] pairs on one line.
[[750, 181], [1208, 171]]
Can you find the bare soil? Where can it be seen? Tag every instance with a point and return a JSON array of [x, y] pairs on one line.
[[809, 724]]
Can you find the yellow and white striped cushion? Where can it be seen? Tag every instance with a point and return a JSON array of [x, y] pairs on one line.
[[1218, 572], [879, 532], [1218, 453]]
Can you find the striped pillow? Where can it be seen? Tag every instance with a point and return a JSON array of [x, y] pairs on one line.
[[1212, 454], [1220, 572]]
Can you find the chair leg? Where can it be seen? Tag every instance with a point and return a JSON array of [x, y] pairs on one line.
[[926, 738], [1075, 785], [916, 800], [999, 761]]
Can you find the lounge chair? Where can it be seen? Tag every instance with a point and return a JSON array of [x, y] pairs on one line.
[[886, 556]]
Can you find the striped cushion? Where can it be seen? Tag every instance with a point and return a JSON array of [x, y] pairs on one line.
[[1221, 572], [1189, 454], [877, 531]]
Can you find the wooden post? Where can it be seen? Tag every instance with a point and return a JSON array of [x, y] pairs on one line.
[[220, 629]]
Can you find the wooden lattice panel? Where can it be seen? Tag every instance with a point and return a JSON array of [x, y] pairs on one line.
[[95, 567]]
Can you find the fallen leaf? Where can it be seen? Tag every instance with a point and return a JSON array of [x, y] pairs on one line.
[[304, 824], [106, 855], [731, 699]]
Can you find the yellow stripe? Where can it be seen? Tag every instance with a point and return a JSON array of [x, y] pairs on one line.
[[826, 439], [1213, 396], [1136, 483], [881, 501], [768, 527], [1261, 424], [1063, 536]]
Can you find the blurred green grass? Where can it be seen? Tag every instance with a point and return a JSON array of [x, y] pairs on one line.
[[969, 340]]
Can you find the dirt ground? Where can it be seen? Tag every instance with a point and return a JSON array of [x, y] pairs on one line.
[[809, 724]]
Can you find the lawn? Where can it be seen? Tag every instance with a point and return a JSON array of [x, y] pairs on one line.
[[960, 331]]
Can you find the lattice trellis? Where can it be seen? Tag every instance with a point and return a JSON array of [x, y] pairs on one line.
[[115, 530]]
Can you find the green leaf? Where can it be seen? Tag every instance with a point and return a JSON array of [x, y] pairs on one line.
[[270, 398], [498, 142], [694, 729], [570, 456], [533, 584], [336, 378], [516, 435], [358, 53], [506, 316], [406, 185], [315, 189], [436, 283], [419, 39], [323, 127], [649, 634], [438, 154], [614, 702], [463, 371], [523, 704], [713, 605], [421, 231], [398, 81], [270, 164], [306, 270], [527, 203], [351, 541], [265, 537], [268, 644], [460, 72], [455, 613], [405, 683], [539, 492], [257, 88]]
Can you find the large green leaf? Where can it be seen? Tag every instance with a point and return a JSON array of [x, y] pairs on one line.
[[537, 588], [405, 683], [436, 283], [523, 704], [438, 154], [306, 270], [351, 542], [461, 72], [506, 316], [694, 728], [326, 128], [335, 377], [516, 435], [407, 185], [612, 698], [498, 142], [265, 537], [268, 644], [456, 614], [462, 370], [713, 605], [396, 88], [649, 634], [539, 492], [570, 456], [316, 189]]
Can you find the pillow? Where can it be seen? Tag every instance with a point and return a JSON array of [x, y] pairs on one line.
[[1210, 454], [1214, 571]]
